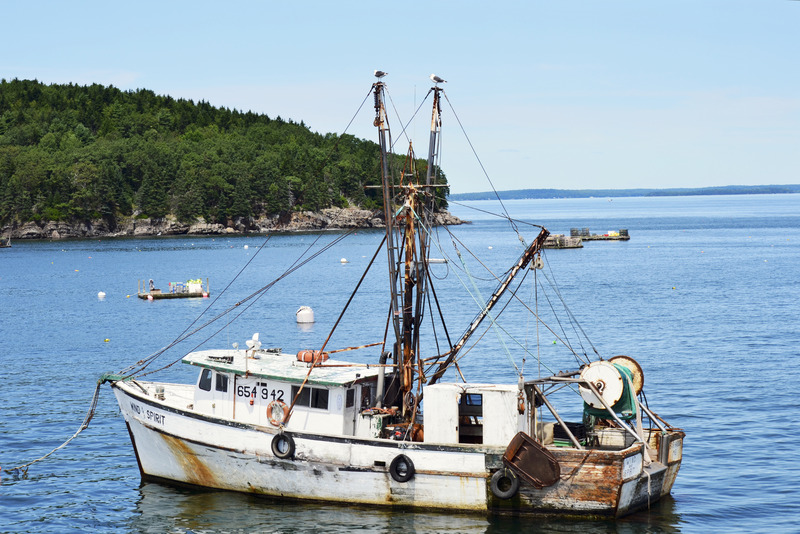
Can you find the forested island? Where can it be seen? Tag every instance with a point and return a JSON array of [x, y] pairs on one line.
[[96, 160], [588, 193]]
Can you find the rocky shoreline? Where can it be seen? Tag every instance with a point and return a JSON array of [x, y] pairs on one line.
[[301, 221]]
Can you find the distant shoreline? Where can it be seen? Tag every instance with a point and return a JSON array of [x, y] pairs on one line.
[[298, 221], [521, 194]]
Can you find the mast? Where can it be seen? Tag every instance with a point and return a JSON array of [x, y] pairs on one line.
[[406, 244], [387, 187], [429, 204], [436, 127], [402, 291], [408, 239]]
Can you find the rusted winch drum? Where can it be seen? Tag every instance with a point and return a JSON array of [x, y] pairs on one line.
[[609, 381], [606, 379]]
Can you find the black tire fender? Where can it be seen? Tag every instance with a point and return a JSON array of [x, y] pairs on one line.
[[402, 468], [504, 484], [283, 446]]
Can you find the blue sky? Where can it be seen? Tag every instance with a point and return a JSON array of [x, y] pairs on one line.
[[571, 94]]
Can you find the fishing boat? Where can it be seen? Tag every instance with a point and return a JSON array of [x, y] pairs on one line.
[[408, 429]]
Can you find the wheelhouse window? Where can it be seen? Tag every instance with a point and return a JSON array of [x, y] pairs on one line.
[[366, 397], [350, 398], [222, 383], [311, 397], [205, 380], [319, 398]]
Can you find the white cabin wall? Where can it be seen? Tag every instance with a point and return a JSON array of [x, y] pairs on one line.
[[501, 418], [260, 392]]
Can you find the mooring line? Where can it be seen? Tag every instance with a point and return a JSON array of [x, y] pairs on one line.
[[92, 408]]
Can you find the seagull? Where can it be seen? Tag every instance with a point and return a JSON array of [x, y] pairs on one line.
[[437, 79], [380, 74]]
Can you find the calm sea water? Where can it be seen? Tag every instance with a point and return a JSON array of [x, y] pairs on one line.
[[704, 295]]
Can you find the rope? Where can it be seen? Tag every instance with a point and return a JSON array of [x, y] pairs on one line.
[[84, 425], [486, 174]]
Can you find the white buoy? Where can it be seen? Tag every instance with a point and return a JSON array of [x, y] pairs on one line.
[[305, 315], [343, 260], [101, 295], [246, 247]]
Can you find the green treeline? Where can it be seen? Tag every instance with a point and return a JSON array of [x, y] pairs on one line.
[[70, 152]]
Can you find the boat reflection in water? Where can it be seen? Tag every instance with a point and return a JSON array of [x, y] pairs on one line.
[[163, 508]]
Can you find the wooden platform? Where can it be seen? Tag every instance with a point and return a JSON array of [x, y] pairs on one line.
[[156, 295], [605, 237]]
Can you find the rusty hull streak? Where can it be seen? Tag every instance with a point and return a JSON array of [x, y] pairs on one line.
[[590, 479], [196, 471]]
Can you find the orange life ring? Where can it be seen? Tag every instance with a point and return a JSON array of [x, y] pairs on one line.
[[276, 412]]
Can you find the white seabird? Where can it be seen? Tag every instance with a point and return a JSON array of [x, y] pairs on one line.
[[437, 79], [380, 74]]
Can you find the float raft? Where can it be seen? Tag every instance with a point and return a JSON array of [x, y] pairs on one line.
[[583, 233], [176, 290]]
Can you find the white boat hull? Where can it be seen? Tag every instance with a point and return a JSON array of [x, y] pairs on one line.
[[178, 445]]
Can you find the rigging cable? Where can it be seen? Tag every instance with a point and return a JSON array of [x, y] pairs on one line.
[[335, 325], [481, 305], [146, 361], [514, 296], [405, 127], [488, 313], [573, 320], [251, 299], [518, 221], [486, 174]]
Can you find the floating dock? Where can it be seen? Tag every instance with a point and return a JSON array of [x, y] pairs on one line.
[[176, 290], [562, 241], [585, 235], [577, 236]]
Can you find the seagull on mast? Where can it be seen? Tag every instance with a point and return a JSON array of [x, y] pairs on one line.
[[436, 79], [380, 74]]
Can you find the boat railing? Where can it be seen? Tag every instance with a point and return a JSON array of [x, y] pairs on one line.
[[569, 378]]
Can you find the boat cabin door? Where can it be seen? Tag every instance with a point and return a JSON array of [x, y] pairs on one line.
[[213, 394], [470, 418]]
